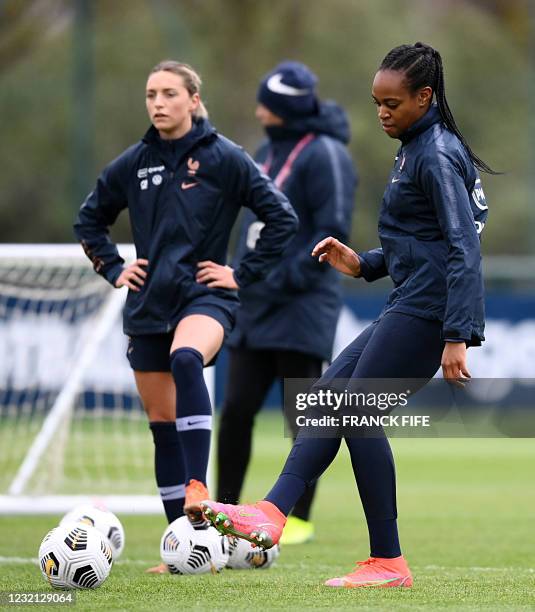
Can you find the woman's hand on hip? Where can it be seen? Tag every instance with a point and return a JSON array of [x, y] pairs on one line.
[[133, 276], [214, 275], [338, 255], [453, 363]]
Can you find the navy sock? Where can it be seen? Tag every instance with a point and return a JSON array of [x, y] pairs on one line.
[[373, 466], [303, 505], [384, 538], [307, 461], [169, 468], [193, 411]]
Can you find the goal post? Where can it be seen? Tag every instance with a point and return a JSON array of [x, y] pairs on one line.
[[105, 318], [72, 428]]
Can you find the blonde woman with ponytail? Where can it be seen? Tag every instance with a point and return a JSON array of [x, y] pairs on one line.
[[183, 185]]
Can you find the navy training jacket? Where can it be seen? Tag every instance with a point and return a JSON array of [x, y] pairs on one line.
[[296, 307], [183, 197], [432, 215]]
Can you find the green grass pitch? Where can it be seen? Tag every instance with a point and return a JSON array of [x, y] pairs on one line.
[[467, 526]]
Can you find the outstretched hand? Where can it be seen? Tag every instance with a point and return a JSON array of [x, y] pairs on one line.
[[453, 363], [214, 275], [133, 276], [338, 255]]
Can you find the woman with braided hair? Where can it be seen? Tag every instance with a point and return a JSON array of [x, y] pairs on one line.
[[432, 214]]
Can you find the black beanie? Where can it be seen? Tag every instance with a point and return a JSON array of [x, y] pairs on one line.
[[288, 91]]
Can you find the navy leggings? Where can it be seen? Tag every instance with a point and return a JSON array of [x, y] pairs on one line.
[[396, 346]]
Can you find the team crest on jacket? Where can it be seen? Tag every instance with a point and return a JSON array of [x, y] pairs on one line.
[[193, 166]]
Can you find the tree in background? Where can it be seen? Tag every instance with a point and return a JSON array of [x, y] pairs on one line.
[[232, 43]]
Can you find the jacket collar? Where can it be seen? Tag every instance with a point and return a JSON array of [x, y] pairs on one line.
[[424, 123], [331, 120], [281, 132], [175, 150]]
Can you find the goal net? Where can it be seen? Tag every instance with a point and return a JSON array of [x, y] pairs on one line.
[[72, 428]]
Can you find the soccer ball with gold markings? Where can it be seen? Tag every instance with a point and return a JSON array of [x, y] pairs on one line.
[[75, 556]]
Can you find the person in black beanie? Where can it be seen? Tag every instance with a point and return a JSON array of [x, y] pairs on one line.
[[286, 324]]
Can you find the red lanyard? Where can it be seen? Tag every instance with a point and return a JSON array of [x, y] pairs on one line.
[[284, 172]]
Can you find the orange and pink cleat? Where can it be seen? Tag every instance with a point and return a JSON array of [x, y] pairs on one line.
[[261, 523], [196, 491], [376, 572]]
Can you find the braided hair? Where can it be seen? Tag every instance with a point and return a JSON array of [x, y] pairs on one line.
[[422, 66]]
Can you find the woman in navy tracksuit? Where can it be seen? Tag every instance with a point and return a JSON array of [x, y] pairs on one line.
[[305, 154], [431, 219], [183, 185]]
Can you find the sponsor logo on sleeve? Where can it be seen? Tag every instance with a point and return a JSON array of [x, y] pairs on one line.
[[478, 195], [253, 234]]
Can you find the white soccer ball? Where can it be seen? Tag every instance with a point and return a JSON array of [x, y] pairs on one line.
[[75, 556], [193, 550], [103, 520], [244, 556]]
